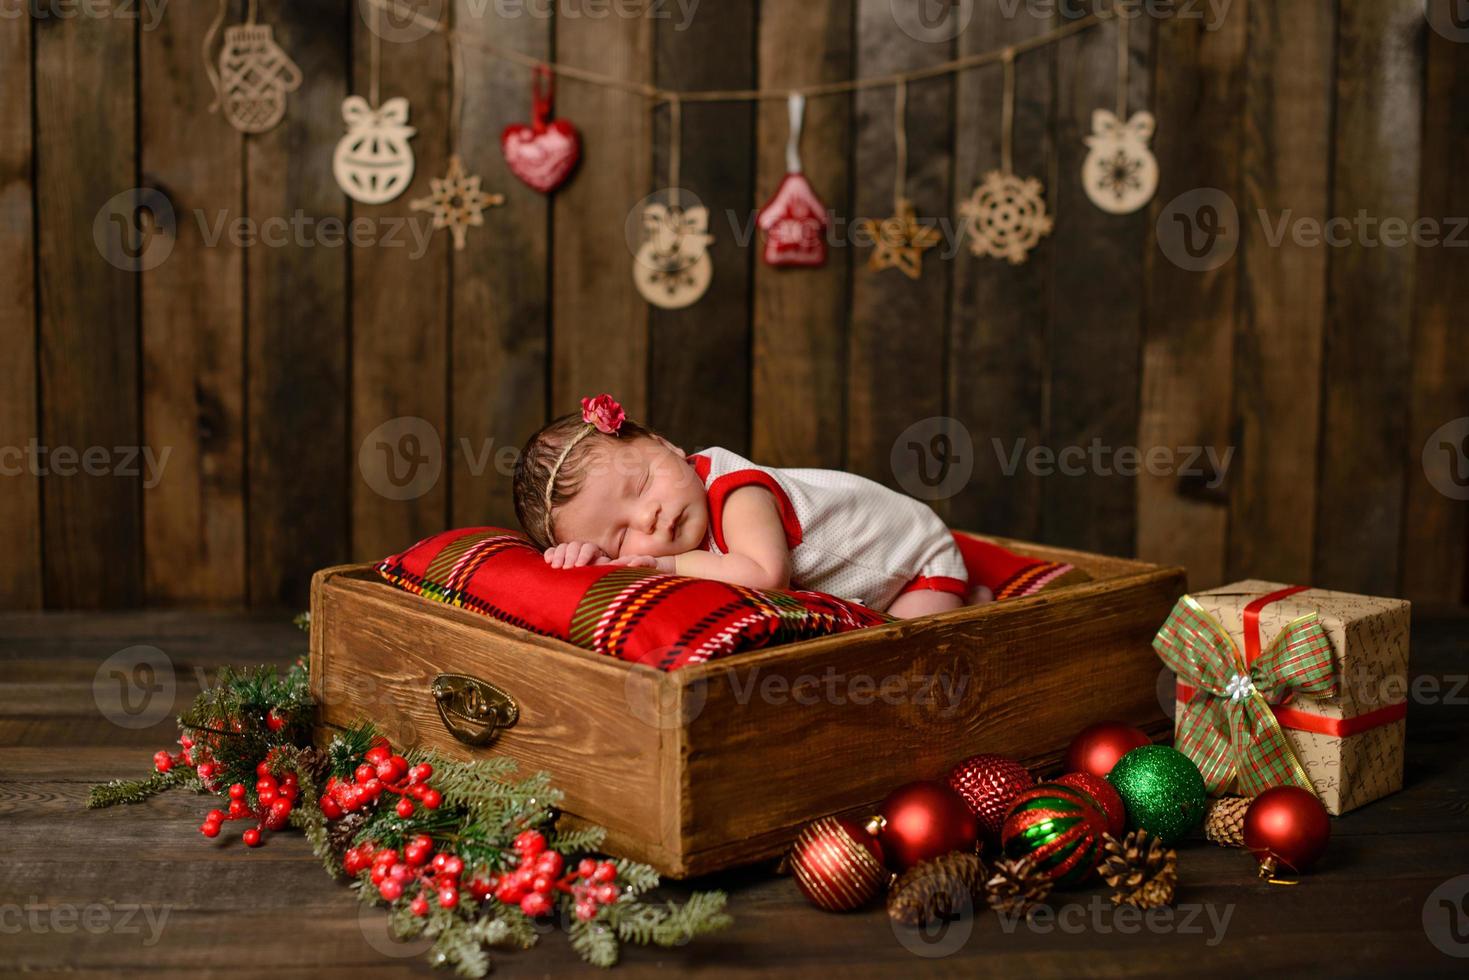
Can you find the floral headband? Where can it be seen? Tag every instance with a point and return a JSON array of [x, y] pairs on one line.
[[601, 414]]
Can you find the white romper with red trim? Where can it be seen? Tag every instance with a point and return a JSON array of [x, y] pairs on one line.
[[849, 536]]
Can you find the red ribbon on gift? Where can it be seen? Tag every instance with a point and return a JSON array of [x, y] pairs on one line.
[[1294, 718]]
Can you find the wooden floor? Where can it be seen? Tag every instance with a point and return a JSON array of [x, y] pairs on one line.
[[121, 891]]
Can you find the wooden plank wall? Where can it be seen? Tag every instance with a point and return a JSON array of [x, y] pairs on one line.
[[261, 369]]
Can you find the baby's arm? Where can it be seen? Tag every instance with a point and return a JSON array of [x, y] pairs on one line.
[[757, 555]]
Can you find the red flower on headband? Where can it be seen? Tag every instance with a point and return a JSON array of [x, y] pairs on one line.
[[604, 413]]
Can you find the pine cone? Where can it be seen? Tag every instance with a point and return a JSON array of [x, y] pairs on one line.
[[1017, 887], [936, 889], [339, 833], [1142, 869], [1224, 820]]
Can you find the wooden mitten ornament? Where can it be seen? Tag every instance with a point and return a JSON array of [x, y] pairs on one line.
[[374, 163], [254, 77], [544, 153], [794, 220]]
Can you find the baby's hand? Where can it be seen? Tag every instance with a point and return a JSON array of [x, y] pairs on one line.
[[573, 554], [663, 564]]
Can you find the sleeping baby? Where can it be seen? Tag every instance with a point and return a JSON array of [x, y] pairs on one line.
[[598, 488]]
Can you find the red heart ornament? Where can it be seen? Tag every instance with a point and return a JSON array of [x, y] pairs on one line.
[[543, 155]]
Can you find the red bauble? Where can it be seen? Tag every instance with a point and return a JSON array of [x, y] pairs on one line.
[[1097, 748], [1106, 797], [989, 784], [837, 864], [1286, 826], [924, 820]]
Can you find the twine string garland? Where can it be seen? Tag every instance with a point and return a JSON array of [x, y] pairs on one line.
[[1007, 113], [900, 142]]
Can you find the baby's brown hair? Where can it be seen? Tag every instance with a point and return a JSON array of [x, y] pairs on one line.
[[538, 459]]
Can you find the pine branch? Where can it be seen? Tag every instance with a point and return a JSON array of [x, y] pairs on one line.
[[137, 790], [594, 941], [588, 838], [635, 878], [669, 924]]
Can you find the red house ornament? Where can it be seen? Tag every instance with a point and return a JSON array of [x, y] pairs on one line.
[[794, 220]]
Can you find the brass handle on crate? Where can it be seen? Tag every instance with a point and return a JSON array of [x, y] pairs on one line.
[[473, 710]]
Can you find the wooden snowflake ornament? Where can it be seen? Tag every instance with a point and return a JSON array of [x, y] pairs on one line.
[[1006, 217], [899, 241], [456, 201], [1120, 173], [672, 268]]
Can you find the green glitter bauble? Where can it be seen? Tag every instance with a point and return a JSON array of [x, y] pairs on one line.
[[1162, 789]]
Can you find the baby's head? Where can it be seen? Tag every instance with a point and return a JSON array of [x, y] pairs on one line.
[[630, 492]]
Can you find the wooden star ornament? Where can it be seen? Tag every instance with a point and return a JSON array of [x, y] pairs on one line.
[[456, 201], [899, 241]]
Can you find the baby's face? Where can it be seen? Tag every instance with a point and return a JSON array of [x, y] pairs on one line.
[[637, 498]]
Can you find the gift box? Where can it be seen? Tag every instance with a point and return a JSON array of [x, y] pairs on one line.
[[1290, 685]]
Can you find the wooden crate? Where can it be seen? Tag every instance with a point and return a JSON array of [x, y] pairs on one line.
[[721, 764]]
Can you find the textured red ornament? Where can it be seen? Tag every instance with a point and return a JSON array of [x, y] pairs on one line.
[[794, 223], [837, 864], [924, 820], [1097, 748], [989, 784], [544, 153], [1286, 826], [1106, 796]]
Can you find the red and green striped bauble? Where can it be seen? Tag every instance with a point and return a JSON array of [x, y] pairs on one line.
[[1059, 828]]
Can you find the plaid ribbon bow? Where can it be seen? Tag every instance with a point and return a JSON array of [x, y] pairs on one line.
[[1227, 728]]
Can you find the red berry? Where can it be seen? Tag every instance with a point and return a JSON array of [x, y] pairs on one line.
[[419, 905], [237, 791], [453, 866], [607, 894], [549, 863], [238, 809], [535, 904], [480, 888], [431, 799], [530, 842], [606, 871], [420, 773], [263, 768], [278, 815], [448, 897], [418, 849], [391, 889], [205, 771], [586, 867], [378, 753], [386, 856], [379, 873], [364, 773], [266, 796], [405, 808], [289, 790], [162, 761], [251, 837], [586, 910], [274, 721], [215, 815], [210, 828], [186, 740]]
